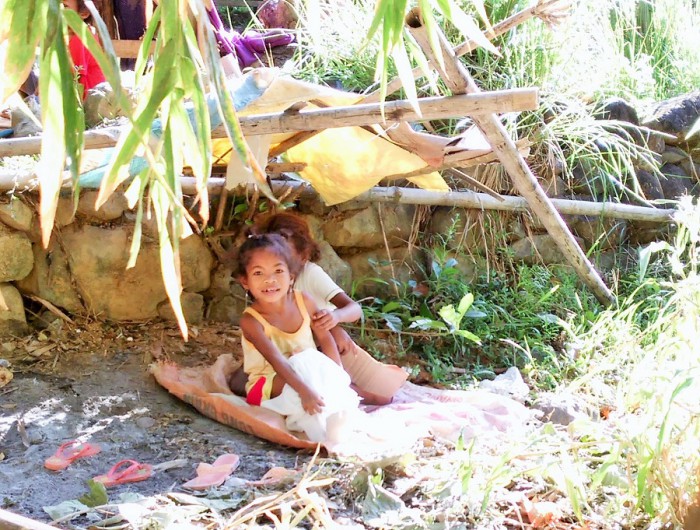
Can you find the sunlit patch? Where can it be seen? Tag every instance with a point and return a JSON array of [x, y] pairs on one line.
[[96, 405], [88, 429]]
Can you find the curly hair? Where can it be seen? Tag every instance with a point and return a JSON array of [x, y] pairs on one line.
[[274, 243], [295, 230]]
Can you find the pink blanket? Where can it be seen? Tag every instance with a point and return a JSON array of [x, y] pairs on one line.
[[416, 412]]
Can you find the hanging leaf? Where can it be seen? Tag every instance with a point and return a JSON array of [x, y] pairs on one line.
[[62, 121], [22, 26]]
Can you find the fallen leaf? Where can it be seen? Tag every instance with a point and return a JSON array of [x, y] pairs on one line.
[[541, 513], [97, 496], [274, 476], [5, 376]]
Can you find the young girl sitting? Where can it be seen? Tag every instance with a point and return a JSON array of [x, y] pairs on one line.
[[286, 372], [375, 382]]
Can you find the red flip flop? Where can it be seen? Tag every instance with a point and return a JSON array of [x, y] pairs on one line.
[[125, 472], [212, 475], [68, 452]]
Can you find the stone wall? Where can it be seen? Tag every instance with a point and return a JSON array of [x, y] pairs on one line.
[[364, 247]]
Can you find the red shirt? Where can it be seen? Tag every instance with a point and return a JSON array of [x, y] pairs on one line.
[[87, 68]]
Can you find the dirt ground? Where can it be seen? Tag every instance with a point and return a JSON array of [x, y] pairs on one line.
[[90, 381]]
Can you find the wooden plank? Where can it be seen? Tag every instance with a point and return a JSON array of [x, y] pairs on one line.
[[128, 49], [310, 120], [459, 81]]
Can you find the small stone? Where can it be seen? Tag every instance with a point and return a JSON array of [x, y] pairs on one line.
[[17, 215], [145, 422]]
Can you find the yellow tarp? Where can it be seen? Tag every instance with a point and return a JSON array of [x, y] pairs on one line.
[[341, 163]]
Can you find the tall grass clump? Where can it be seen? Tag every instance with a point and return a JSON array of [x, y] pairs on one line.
[[637, 49], [642, 365], [333, 47]]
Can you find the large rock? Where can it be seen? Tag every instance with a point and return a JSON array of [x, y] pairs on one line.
[[12, 318], [228, 308], [562, 408], [98, 259], [601, 233], [51, 279], [16, 258], [539, 249], [102, 104], [676, 116], [192, 308], [618, 109], [16, 214], [364, 229], [376, 274], [335, 267], [113, 208], [650, 185], [458, 229], [675, 182], [674, 155]]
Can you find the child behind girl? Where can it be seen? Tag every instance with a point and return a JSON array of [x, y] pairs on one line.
[[87, 69], [286, 373], [375, 382]]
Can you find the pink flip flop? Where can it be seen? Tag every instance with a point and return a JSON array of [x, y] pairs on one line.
[[125, 472], [68, 452], [212, 475]]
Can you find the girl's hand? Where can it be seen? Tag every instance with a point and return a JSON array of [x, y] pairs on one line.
[[311, 401], [324, 319], [343, 341]]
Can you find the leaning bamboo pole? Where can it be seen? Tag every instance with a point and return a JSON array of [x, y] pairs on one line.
[[309, 120], [549, 11], [464, 199], [459, 81]]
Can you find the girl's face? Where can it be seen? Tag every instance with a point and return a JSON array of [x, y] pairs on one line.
[[267, 276]]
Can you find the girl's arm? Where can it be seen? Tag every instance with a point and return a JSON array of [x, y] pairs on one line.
[[324, 339], [253, 332], [347, 310]]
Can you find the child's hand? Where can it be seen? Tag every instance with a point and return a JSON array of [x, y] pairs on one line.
[[312, 402], [324, 319], [343, 341]]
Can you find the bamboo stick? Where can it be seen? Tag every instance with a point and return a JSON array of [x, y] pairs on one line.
[[459, 81], [12, 521], [467, 199], [353, 115]]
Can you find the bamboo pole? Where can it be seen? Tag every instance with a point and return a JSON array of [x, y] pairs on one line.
[[353, 115], [459, 81], [12, 521], [466, 199]]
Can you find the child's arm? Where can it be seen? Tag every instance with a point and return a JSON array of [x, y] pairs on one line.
[[347, 310], [324, 339], [253, 332]]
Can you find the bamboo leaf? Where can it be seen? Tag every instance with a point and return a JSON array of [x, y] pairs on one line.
[[22, 25], [144, 50], [469, 28], [62, 122], [138, 131], [405, 71], [168, 257]]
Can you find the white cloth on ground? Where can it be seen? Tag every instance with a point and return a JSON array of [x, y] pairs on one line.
[[329, 381]]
